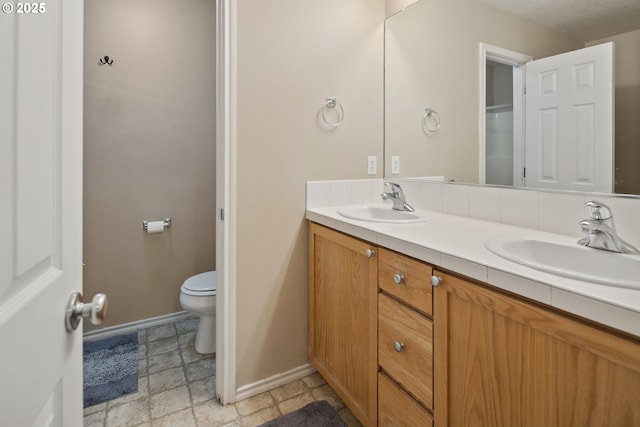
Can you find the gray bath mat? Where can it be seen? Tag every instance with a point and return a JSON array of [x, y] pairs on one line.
[[110, 368], [315, 414]]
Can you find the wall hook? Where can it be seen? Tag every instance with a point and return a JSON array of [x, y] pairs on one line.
[[105, 61]]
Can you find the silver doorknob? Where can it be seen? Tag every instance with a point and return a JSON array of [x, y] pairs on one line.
[[96, 310], [435, 281], [370, 253], [398, 278], [399, 346]]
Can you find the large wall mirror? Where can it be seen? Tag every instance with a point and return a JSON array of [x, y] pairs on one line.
[[453, 78]]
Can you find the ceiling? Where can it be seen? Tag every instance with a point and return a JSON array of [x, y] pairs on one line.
[[585, 20]]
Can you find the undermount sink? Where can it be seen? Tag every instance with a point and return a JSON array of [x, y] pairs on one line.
[[382, 214], [572, 261]]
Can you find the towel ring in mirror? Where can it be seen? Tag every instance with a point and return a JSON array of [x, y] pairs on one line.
[[430, 121]]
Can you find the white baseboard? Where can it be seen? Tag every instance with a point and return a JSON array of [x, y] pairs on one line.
[[275, 381], [127, 328]]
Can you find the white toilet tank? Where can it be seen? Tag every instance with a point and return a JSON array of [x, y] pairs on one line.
[[203, 284]]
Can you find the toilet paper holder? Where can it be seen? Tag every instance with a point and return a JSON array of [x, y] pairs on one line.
[[166, 222]]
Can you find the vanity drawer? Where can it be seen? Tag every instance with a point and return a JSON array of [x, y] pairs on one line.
[[397, 408], [405, 347], [414, 277]]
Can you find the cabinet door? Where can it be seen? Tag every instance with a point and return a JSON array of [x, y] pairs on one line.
[[500, 361], [342, 318]]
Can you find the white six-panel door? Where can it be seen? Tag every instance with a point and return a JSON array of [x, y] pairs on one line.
[[40, 211], [569, 120]]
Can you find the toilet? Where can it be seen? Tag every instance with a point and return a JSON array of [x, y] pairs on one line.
[[198, 296]]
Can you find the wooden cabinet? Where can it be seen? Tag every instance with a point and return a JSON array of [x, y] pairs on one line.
[[501, 361], [467, 353], [344, 327], [342, 317]]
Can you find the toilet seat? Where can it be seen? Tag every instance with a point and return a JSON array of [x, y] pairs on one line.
[[203, 284]]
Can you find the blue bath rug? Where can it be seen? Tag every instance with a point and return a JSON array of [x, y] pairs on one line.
[[110, 368], [316, 414]]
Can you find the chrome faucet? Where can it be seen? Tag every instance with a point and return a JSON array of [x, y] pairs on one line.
[[397, 196], [601, 231]]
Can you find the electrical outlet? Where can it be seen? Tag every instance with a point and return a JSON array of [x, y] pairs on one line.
[[395, 165], [372, 165]]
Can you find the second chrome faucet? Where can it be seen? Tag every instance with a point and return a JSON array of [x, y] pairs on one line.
[[601, 232]]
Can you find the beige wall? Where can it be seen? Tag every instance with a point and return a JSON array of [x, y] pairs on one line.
[[432, 60], [627, 110], [149, 151], [291, 55]]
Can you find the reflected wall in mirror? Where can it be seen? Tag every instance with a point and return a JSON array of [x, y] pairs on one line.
[[432, 60]]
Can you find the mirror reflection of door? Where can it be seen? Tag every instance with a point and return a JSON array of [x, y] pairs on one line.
[[563, 138], [569, 121]]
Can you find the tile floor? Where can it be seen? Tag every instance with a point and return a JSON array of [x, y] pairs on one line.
[[176, 388]]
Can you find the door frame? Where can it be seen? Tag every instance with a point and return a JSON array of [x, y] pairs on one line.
[[226, 201], [516, 60]]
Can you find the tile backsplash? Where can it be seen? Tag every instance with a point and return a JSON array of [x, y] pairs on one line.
[[346, 192], [556, 212]]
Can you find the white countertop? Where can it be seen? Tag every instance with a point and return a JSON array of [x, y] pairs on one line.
[[458, 244]]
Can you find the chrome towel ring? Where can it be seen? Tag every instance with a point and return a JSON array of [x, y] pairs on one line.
[[430, 121], [331, 103]]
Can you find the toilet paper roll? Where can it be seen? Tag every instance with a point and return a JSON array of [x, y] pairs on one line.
[[155, 227]]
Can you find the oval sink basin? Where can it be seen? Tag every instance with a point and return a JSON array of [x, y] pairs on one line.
[[572, 261], [382, 214]]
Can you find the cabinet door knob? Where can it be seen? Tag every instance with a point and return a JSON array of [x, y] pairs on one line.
[[370, 253], [399, 346], [436, 281], [398, 278]]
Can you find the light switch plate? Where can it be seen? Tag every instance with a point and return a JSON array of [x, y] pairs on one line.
[[372, 165], [395, 165]]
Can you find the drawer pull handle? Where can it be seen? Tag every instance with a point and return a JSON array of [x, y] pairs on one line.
[[399, 346], [398, 278], [370, 253], [435, 281]]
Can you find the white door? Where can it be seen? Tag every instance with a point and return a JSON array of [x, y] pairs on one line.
[[40, 211], [569, 120]]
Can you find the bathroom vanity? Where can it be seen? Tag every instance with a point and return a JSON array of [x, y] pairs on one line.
[[408, 334]]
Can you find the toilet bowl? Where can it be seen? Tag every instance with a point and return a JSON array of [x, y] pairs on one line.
[[198, 296]]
